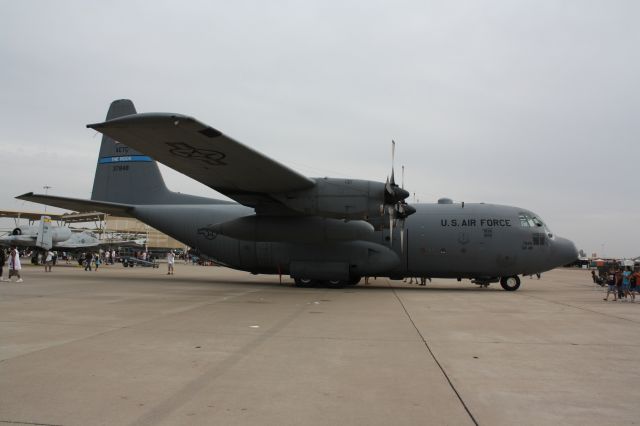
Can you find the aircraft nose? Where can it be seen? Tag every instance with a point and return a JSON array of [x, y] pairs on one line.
[[564, 251]]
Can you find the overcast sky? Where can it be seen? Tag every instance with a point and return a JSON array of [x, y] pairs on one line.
[[527, 103]]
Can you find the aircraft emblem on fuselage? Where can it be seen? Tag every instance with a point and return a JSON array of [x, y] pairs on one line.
[[207, 233]]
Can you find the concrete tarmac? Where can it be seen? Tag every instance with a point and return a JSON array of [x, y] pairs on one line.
[[133, 346]]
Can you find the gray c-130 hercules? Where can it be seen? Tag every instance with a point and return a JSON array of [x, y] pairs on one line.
[[327, 230]]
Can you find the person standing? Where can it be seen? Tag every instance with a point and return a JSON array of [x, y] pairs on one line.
[[48, 261], [88, 259], [14, 264], [626, 283], [633, 284], [611, 282], [98, 261], [634, 279], [171, 258], [3, 259]]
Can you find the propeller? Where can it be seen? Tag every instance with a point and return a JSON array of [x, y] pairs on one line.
[[394, 202]]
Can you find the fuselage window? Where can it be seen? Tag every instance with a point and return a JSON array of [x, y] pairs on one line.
[[524, 220]]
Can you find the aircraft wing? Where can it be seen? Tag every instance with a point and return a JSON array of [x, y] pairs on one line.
[[18, 240], [28, 215], [73, 246], [205, 154], [78, 205]]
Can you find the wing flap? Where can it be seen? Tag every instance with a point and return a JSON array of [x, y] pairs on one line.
[[204, 154]]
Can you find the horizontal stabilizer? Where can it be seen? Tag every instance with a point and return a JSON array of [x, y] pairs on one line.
[[78, 204]]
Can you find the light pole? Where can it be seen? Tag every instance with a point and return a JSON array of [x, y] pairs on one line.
[[46, 190]]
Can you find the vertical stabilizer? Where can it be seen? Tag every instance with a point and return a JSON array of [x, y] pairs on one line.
[[45, 238], [124, 175]]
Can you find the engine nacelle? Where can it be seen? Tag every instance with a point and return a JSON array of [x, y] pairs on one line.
[[337, 198], [25, 230], [60, 233]]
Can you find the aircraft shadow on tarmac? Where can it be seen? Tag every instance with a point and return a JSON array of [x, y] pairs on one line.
[[382, 285]]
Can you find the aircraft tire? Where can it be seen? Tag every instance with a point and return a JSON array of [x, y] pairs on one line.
[[510, 283], [303, 282], [337, 283], [354, 280]]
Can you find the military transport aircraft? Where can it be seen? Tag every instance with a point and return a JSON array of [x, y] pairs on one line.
[[326, 230]]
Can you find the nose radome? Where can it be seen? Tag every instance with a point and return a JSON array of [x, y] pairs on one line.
[[564, 251]]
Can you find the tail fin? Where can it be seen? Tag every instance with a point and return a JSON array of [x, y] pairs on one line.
[[124, 175], [44, 238]]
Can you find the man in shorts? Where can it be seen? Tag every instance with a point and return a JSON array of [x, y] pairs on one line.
[[14, 264], [171, 258], [611, 284], [48, 261]]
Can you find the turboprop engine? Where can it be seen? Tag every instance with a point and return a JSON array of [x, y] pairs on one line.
[[337, 198]]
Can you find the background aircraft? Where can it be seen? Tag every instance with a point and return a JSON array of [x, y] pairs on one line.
[[314, 229], [47, 236]]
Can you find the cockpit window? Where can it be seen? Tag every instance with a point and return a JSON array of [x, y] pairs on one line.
[[529, 221], [537, 221]]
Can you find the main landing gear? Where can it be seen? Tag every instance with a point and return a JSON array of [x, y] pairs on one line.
[[307, 282], [510, 283]]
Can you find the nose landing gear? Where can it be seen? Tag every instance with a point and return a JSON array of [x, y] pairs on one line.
[[510, 283]]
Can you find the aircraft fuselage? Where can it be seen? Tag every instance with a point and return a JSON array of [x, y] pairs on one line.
[[440, 240]]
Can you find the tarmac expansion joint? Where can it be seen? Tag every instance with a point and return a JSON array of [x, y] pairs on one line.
[[426, 344]]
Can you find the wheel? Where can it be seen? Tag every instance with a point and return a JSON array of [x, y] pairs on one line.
[[337, 283], [510, 283], [302, 282], [354, 280], [125, 264]]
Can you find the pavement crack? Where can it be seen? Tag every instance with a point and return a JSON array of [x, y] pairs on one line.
[[426, 344], [17, 422]]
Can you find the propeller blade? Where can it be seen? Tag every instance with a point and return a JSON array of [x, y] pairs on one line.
[[393, 161], [402, 182], [392, 218], [402, 236]]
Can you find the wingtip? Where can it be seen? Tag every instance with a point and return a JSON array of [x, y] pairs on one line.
[[28, 194]]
